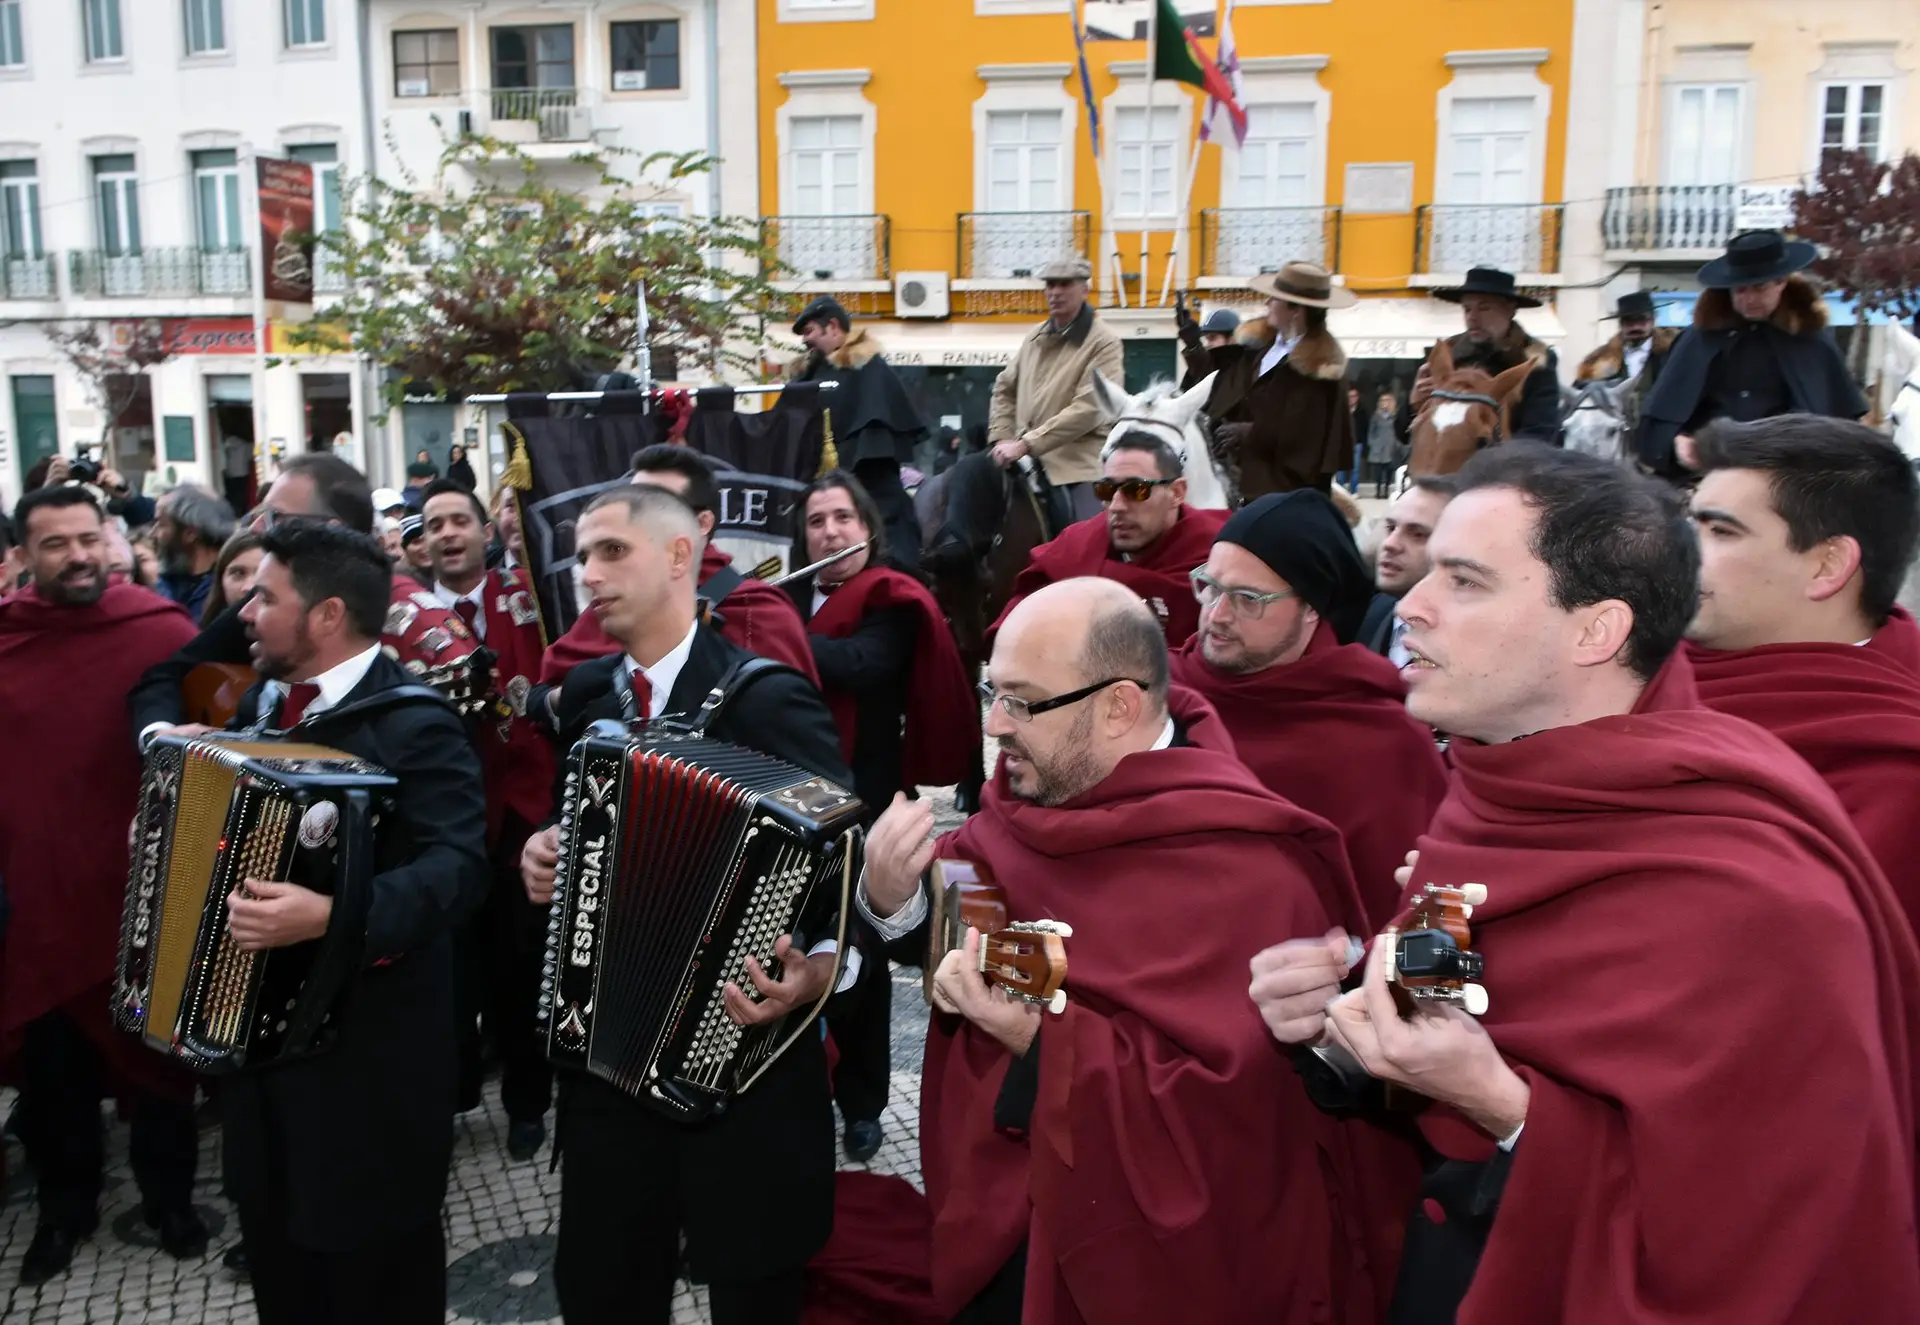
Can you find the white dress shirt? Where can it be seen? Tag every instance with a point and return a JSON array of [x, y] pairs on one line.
[[1277, 351], [478, 597], [1636, 357], [336, 683], [1397, 646]]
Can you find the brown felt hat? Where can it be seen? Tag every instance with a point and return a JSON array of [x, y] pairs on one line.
[[1305, 284]]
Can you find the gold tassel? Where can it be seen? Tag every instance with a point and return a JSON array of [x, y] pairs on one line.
[[829, 454], [519, 475]]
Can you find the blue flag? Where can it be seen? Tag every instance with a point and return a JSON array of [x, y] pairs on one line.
[[1086, 80]]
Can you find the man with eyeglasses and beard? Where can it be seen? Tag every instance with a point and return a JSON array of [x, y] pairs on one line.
[[67, 793], [1147, 538], [1281, 600], [1143, 1155]]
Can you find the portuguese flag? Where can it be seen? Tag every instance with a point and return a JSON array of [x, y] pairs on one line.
[[1177, 58]]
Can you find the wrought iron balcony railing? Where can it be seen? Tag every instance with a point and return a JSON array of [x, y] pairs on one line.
[[27, 278], [1515, 237], [831, 248], [1668, 218], [1245, 241], [161, 272], [1016, 245], [329, 276]]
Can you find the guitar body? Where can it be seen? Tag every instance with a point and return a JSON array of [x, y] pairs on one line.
[[1029, 960], [212, 692]]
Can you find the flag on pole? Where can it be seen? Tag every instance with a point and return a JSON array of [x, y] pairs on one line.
[[1086, 79], [1178, 58], [1230, 114]]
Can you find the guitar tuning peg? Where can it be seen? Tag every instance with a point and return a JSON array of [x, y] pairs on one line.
[[1058, 1003], [1475, 999], [1474, 893]]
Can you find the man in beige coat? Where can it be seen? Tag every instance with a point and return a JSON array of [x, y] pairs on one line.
[[1043, 403]]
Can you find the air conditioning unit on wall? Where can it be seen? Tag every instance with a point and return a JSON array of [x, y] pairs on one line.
[[921, 294]]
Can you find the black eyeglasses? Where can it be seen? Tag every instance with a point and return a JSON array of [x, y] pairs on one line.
[[1133, 489], [1026, 710]]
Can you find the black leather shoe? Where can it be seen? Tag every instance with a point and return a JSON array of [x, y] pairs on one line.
[[862, 1141], [236, 1260], [524, 1140], [182, 1235], [50, 1254]]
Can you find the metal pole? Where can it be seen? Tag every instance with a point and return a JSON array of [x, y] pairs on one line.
[[596, 395], [257, 269], [643, 357], [1184, 224], [1146, 150]]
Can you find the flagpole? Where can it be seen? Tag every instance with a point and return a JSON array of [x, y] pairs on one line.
[[1185, 222], [1146, 150]]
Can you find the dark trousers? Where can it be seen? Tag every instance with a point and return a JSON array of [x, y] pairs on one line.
[[1381, 472], [862, 1026], [502, 950], [999, 1303], [881, 479], [397, 1281], [62, 1082]]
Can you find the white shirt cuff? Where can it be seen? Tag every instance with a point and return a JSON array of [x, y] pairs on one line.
[[898, 925], [146, 733], [1508, 1141], [849, 970]]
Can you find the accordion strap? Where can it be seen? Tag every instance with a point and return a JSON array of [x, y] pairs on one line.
[[731, 686], [378, 702]]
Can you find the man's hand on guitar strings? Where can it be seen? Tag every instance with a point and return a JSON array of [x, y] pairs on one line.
[[802, 980], [961, 988]]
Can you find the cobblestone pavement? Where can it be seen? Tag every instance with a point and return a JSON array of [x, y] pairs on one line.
[[500, 1218]]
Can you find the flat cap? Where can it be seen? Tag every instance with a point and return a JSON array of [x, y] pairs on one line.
[[1067, 269]]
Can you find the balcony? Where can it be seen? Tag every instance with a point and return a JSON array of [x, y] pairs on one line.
[[1523, 238], [329, 276], [1239, 242], [539, 115], [1013, 246], [1680, 221], [831, 250], [28, 278], [161, 272]]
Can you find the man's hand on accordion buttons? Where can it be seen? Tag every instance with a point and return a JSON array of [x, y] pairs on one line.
[[899, 849], [802, 980], [276, 915], [960, 987], [539, 859]]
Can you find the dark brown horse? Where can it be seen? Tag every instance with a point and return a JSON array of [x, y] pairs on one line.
[[1468, 410]]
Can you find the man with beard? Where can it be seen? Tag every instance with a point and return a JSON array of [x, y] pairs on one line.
[[1147, 539], [189, 531], [1807, 529], [1144, 1155], [1402, 562], [751, 613], [337, 1163], [67, 792], [639, 1190], [1634, 1083], [875, 426], [1637, 351], [1281, 597], [501, 953], [1494, 343]]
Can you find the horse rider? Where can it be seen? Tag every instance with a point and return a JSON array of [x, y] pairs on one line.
[[1494, 342], [1633, 358], [1216, 331], [1279, 403], [1758, 347]]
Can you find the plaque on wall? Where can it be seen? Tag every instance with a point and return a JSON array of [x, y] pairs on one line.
[[1378, 187]]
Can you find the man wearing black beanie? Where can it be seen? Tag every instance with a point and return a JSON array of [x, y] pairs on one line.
[[1318, 717]]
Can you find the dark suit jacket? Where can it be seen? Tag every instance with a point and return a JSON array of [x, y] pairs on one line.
[[781, 1131], [1376, 628], [872, 665], [354, 1143]]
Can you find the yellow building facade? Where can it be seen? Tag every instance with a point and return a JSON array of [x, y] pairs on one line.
[[921, 159]]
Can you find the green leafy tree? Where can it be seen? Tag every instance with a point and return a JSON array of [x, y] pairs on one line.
[[1865, 216], [503, 273]]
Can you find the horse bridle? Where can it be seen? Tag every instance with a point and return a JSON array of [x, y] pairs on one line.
[[1479, 398], [1180, 434]]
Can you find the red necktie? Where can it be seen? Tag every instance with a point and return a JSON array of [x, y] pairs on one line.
[[642, 696], [470, 613], [294, 706]]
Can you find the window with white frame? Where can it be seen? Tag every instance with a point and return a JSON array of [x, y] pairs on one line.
[[306, 22], [1023, 161], [427, 63], [1275, 166], [1146, 164], [325, 160], [216, 191], [13, 50], [1271, 195], [1852, 119], [116, 191], [101, 19], [646, 55], [1490, 140], [810, 11], [206, 24], [20, 209], [825, 234], [1705, 134]]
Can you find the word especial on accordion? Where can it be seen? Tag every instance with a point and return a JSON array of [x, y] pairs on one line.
[[680, 857], [215, 811]]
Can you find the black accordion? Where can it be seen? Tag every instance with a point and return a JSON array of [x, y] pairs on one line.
[[215, 811], [680, 857]]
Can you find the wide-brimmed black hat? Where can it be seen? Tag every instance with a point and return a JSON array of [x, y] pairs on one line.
[[1487, 280], [824, 309], [1634, 303], [1755, 257]]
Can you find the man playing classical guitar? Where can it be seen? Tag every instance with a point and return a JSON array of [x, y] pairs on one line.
[[1690, 1098], [1145, 1155]]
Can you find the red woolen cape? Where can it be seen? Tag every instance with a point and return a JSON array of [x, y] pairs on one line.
[[1330, 733], [1175, 1169], [1158, 575], [1706, 982], [756, 616], [68, 785], [1854, 714], [943, 726]]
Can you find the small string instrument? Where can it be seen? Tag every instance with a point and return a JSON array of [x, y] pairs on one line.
[[212, 692], [1028, 959], [1433, 959]]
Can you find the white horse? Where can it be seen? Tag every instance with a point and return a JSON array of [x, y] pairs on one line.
[[1596, 425], [1176, 418], [1903, 366]]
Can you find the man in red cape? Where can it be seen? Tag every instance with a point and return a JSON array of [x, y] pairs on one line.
[[751, 613], [1145, 1155], [1690, 1096], [71, 647], [1318, 717], [1807, 528], [1148, 538]]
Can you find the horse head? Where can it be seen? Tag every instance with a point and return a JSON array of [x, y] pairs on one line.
[[1469, 409], [1177, 418], [1903, 365], [1596, 424]]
